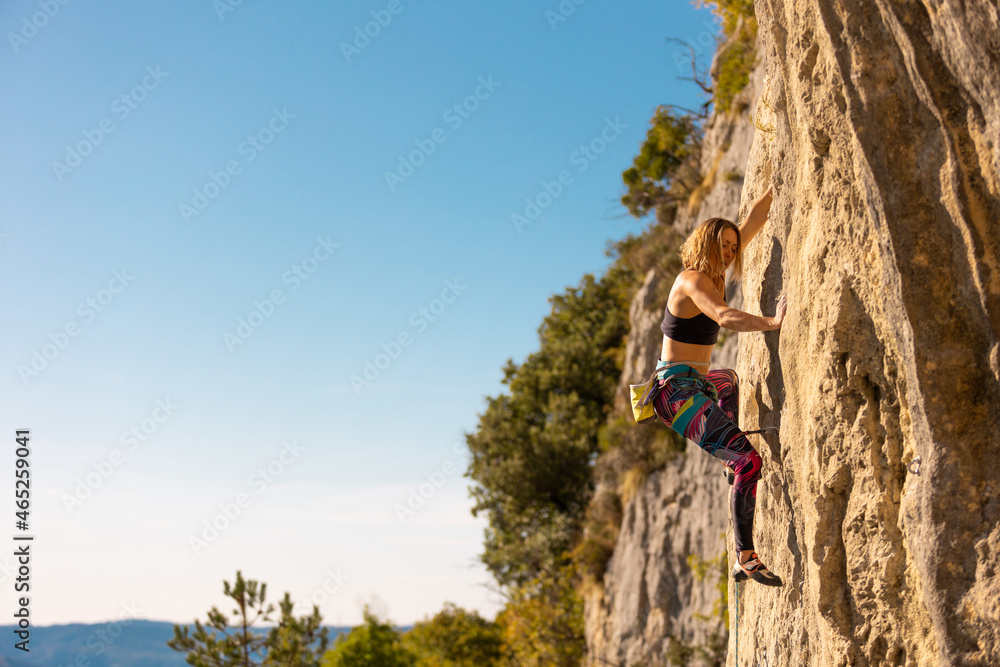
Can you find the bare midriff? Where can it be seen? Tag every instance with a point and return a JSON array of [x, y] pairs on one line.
[[674, 350]]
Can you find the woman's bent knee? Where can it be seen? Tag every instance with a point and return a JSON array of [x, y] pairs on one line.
[[749, 465]]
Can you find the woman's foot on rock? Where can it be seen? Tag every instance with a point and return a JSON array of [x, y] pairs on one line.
[[754, 569]]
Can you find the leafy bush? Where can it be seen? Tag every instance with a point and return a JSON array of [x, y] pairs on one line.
[[455, 638], [735, 60], [734, 65], [534, 447], [665, 171], [375, 643], [729, 12], [543, 622]]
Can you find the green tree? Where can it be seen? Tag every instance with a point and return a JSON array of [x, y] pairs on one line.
[[534, 447], [665, 172], [297, 642], [293, 642], [375, 643], [543, 621], [455, 638]]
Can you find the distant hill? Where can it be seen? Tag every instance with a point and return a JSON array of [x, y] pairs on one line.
[[128, 644]]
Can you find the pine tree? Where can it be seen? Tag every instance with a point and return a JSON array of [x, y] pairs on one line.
[[241, 643]]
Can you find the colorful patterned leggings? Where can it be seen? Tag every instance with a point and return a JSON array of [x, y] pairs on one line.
[[687, 405]]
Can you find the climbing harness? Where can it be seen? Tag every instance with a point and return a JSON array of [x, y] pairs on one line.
[[642, 395]]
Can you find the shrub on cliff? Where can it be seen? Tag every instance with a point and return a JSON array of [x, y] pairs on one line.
[[665, 171], [737, 54]]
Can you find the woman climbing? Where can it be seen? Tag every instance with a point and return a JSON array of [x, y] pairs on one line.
[[700, 404]]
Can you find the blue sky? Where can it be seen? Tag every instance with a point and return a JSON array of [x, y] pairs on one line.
[[202, 254]]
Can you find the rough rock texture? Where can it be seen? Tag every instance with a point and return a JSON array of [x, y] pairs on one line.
[[880, 500], [650, 594]]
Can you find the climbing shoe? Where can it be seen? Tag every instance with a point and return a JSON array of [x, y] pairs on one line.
[[728, 473], [754, 569]]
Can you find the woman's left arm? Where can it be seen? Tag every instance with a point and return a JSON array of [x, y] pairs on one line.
[[756, 218]]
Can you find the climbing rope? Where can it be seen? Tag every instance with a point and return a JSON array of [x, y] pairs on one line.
[[737, 647], [763, 659]]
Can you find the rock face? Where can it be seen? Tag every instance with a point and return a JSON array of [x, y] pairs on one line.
[[650, 598], [880, 499]]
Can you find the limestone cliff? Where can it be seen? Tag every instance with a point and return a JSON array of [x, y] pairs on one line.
[[880, 499]]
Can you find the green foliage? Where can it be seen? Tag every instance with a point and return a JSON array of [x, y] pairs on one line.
[[734, 65], [656, 247], [294, 642], [678, 653], [714, 650], [534, 447], [375, 643], [455, 638], [543, 622], [729, 12], [600, 534], [717, 567], [736, 58], [291, 643], [629, 452], [665, 172]]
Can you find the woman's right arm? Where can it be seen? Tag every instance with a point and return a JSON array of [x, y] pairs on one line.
[[703, 293]]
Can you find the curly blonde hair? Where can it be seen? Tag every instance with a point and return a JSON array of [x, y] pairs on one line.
[[706, 242]]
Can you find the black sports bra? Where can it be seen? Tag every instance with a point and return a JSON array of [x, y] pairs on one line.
[[698, 330]]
